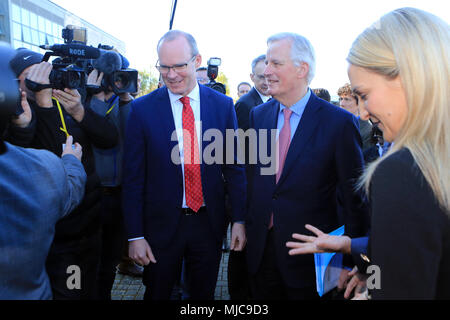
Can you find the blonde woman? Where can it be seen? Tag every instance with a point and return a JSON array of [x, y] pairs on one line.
[[400, 68]]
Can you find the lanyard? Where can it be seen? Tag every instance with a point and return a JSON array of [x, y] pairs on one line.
[[111, 109], [64, 128]]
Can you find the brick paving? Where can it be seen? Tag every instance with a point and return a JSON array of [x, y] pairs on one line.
[[131, 288]]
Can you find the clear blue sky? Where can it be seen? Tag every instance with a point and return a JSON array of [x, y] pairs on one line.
[[237, 30]]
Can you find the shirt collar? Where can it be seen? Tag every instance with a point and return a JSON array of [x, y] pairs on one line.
[[193, 95], [300, 105], [263, 97]]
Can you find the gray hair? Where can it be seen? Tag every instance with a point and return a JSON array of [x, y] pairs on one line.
[[257, 60], [301, 51], [174, 34]]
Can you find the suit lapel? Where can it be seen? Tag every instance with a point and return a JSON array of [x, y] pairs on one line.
[[165, 113], [256, 98], [305, 130]]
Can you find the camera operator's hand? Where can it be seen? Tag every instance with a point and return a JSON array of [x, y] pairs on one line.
[[24, 119], [74, 149], [126, 97], [70, 99], [40, 73], [95, 78]]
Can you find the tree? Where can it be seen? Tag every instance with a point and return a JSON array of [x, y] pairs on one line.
[[222, 78], [149, 82]]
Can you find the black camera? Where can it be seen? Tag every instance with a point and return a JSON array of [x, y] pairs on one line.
[[117, 76], [68, 69], [213, 72]]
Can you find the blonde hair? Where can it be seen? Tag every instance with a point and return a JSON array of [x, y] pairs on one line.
[[414, 45]]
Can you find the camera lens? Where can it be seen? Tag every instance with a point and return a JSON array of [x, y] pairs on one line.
[[121, 80]]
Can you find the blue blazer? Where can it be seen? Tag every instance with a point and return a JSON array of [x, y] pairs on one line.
[[153, 183], [324, 154]]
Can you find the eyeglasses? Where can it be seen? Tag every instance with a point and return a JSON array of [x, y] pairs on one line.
[[177, 68]]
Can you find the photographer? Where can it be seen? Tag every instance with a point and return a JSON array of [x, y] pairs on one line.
[[115, 108], [59, 113], [38, 189]]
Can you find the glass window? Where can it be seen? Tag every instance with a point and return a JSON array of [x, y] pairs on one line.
[[55, 29], [33, 20], [42, 38], [48, 26], [25, 17], [50, 40], [26, 34], [35, 37], [15, 13], [17, 31], [41, 23], [17, 44]]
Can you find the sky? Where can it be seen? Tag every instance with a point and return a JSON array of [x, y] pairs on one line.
[[237, 30]]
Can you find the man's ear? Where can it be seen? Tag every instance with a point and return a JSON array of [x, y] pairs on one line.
[[198, 61], [303, 70], [251, 77]]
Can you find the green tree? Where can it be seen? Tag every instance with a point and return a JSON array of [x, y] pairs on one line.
[[149, 82]]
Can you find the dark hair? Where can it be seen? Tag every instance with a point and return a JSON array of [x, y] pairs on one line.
[[322, 94], [202, 69], [240, 84]]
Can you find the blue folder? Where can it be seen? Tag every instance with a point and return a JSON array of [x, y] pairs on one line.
[[328, 267]]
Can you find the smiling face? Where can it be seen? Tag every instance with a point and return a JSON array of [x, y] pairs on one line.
[[178, 52], [383, 99], [287, 81]]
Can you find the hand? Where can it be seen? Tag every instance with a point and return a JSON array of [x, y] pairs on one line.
[[70, 99], [238, 239], [24, 119], [125, 97], [140, 252], [343, 279], [358, 283], [76, 150], [95, 79], [321, 243], [40, 73]]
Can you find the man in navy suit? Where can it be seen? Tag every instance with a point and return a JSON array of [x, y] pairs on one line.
[[317, 148], [174, 203]]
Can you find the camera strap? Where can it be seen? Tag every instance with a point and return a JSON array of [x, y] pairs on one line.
[[35, 87], [64, 128], [113, 103]]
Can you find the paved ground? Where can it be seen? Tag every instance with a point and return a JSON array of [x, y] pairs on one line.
[[131, 288]]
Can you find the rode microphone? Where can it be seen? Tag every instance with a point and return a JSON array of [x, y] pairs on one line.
[[73, 50]]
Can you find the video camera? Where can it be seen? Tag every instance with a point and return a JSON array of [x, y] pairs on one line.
[[76, 60], [213, 72]]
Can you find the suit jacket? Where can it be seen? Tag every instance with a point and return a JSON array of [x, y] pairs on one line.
[[324, 153], [365, 128], [153, 183], [244, 105], [410, 232]]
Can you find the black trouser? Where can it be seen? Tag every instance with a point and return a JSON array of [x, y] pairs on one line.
[[83, 254], [197, 244], [238, 277], [267, 283], [113, 236]]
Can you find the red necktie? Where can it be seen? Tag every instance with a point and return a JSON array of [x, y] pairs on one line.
[[284, 140], [192, 175]]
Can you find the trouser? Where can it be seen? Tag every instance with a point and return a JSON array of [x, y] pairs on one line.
[[112, 241], [267, 283], [72, 268], [194, 242]]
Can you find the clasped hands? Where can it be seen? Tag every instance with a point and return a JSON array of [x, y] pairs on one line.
[[322, 242]]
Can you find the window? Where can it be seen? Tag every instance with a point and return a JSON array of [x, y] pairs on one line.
[[17, 31], [16, 13], [33, 20], [35, 37], [41, 23], [25, 17], [26, 34]]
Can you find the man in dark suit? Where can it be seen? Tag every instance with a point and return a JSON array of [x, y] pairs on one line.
[[238, 282], [256, 96], [316, 148], [173, 196]]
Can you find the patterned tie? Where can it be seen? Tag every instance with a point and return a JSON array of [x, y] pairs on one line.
[[192, 175], [284, 140]]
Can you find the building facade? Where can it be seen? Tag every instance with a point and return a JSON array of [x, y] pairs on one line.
[[31, 23]]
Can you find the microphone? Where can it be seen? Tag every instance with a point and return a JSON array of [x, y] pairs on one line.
[[73, 50]]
